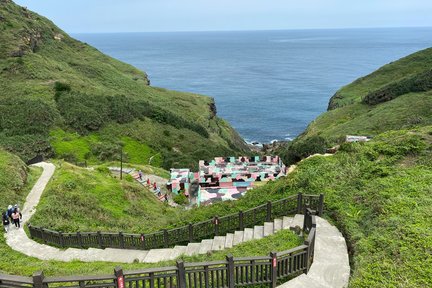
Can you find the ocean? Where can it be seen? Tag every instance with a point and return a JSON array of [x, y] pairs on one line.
[[268, 84]]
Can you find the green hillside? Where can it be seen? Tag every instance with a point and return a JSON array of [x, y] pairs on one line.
[[396, 96], [54, 86], [379, 194]]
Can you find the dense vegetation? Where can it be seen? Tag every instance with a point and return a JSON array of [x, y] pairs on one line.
[[49, 81], [396, 96]]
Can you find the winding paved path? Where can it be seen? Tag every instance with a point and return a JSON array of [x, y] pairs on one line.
[[329, 269]]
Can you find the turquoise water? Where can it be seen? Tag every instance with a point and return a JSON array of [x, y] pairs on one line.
[[268, 84]]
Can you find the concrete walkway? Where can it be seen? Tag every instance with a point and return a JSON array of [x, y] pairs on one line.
[[330, 268]]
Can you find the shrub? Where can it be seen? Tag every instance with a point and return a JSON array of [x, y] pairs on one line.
[[418, 83], [299, 149], [180, 199]]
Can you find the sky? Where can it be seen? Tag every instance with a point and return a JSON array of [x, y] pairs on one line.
[[105, 16]]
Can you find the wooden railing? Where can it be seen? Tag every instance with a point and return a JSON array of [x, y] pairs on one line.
[[277, 267], [185, 234]]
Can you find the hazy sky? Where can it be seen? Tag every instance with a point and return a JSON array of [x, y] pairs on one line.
[[77, 16]]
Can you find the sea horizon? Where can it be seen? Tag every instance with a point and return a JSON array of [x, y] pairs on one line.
[[269, 84]]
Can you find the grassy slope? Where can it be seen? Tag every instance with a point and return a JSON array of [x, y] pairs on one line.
[[393, 72], [380, 195], [83, 200], [354, 117], [87, 71]]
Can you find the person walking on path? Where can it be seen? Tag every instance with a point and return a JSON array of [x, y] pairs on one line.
[[9, 212], [18, 210], [154, 186], [16, 218], [140, 174], [148, 182], [6, 222]]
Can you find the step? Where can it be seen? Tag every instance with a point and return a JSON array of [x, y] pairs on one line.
[[238, 237], [206, 246], [157, 255], [286, 222], [268, 228], [297, 221], [192, 249], [218, 243], [277, 225], [179, 250], [248, 234], [258, 232], [229, 238]]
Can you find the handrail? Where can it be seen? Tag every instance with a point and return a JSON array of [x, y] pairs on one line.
[[185, 234], [231, 272]]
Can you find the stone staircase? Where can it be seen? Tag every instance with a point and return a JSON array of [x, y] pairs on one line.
[[161, 183], [224, 242]]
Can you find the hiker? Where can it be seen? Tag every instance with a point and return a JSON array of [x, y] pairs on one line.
[[158, 191], [18, 210], [9, 212], [154, 186], [6, 222], [140, 174], [148, 182], [16, 218], [166, 198]]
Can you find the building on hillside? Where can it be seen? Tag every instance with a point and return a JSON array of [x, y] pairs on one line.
[[351, 138], [225, 178]]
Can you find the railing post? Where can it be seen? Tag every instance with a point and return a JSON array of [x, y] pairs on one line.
[[61, 239], [299, 203], [30, 230], [190, 227], [230, 270], [307, 260], [269, 211], [79, 239], [99, 237], [241, 221], [273, 256], [321, 205], [121, 240], [38, 278], [181, 274], [43, 235], [165, 237], [143, 241], [119, 277], [216, 225]]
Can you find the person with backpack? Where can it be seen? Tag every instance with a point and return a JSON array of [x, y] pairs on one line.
[[6, 222], [9, 212]]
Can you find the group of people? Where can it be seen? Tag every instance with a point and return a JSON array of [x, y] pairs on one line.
[[12, 214]]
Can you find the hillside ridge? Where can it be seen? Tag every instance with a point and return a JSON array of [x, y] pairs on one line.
[[50, 81]]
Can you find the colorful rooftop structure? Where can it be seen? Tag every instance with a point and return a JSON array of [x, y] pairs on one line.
[[226, 178]]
